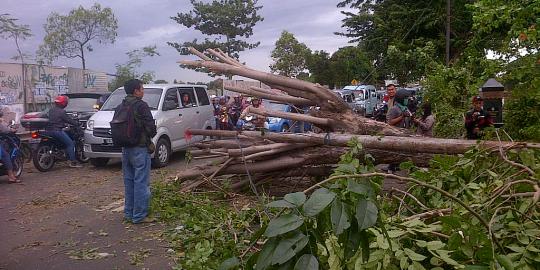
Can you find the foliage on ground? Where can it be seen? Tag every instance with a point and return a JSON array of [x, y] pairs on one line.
[[203, 229], [475, 211]]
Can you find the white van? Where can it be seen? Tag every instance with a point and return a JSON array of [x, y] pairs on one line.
[[173, 117]]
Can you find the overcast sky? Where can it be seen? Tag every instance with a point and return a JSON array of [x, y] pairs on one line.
[[147, 22]]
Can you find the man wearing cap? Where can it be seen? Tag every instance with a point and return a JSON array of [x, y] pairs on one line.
[[477, 119]]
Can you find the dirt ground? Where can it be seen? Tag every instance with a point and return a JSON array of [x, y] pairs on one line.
[[72, 219]]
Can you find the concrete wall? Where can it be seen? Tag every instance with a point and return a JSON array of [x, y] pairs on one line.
[[43, 84]]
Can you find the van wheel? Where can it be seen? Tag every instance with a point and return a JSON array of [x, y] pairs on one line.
[[99, 162], [162, 154]]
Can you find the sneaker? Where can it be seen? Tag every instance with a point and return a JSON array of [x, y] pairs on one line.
[[74, 164], [145, 220]]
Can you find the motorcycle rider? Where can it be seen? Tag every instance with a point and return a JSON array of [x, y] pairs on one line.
[[223, 114], [235, 110], [58, 119], [259, 121], [4, 156]]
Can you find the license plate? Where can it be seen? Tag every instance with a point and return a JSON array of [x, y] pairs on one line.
[[33, 141], [107, 141]]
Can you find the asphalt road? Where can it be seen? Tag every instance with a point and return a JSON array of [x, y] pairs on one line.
[[72, 219]]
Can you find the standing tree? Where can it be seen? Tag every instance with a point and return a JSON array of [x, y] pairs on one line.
[[289, 55], [9, 29], [228, 19], [318, 64], [350, 63], [69, 36], [129, 70]]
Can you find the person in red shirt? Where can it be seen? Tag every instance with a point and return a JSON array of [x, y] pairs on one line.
[[477, 119]]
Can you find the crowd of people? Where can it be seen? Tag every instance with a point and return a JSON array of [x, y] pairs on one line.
[[232, 113], [402, 112]]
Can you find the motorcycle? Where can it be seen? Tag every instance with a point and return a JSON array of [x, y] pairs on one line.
[[12, 144], [250, 123], [379, 113], [50, 150]]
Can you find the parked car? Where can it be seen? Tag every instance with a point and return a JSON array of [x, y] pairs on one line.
[[81, 106], [172, 120], [365, 98], [277, 124], [347, 96]]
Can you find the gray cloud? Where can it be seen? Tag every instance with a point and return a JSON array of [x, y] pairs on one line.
[[144, 22]]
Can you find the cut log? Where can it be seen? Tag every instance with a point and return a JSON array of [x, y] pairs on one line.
[[390, 143]]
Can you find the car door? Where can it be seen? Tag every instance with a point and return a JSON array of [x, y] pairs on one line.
[[205, 112], [188, 111], [171, 120]]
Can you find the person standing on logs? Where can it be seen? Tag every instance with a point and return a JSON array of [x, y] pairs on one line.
[[396, 117], [426, 122], [391, 94]]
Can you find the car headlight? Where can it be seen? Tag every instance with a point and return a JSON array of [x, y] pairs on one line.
[[90, 125]]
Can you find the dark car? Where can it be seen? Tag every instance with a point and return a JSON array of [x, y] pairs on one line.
[[81, 106]]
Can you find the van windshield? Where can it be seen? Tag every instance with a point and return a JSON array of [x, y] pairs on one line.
[[151, 96]]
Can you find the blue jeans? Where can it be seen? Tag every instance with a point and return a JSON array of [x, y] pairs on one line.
[[63, 137], [6, 159], [136, 169]]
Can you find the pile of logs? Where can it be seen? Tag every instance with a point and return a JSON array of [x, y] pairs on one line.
[[266, 155]]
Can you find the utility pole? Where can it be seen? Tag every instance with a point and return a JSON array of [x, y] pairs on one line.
[[448, 9]]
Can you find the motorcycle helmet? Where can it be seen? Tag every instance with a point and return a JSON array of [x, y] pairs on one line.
[[401, 97], [61, 101]]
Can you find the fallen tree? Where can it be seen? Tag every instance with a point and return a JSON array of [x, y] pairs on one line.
[[263, 153]]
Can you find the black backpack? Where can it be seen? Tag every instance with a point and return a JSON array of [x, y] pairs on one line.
[[124, 128]]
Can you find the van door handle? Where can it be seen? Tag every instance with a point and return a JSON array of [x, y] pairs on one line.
[[179, 114], [197, 112]]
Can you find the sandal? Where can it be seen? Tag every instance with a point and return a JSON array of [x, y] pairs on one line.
[[14, 181]]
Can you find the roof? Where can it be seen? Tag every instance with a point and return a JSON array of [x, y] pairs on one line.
[[492, 83], [168, 85]]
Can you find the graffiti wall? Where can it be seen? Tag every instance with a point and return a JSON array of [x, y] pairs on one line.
[[42, 84], [11, 85]]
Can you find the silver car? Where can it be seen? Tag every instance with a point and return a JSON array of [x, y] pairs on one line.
[[175, 108]]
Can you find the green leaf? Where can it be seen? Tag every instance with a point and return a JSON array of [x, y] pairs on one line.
[[307, 262], [288, 247], [229, 263], [413, 255], [297, 198], [434, 245], [339, 217], [360, 187], [505, 262], [283, 224], [318, 201], [280, 204], [265, 256], [366, 214]]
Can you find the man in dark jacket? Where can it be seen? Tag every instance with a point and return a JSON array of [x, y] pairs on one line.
[[58, 119], [136, 159], [477, 119]]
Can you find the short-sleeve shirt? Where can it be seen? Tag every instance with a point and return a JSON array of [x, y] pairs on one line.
[[394, 113]]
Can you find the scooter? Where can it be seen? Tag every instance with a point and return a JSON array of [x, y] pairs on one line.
[[50, 150], [12, 143], [249, 123]]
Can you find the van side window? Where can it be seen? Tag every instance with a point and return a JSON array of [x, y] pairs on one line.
[[171, 100], [202, 96], [187, 97]]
